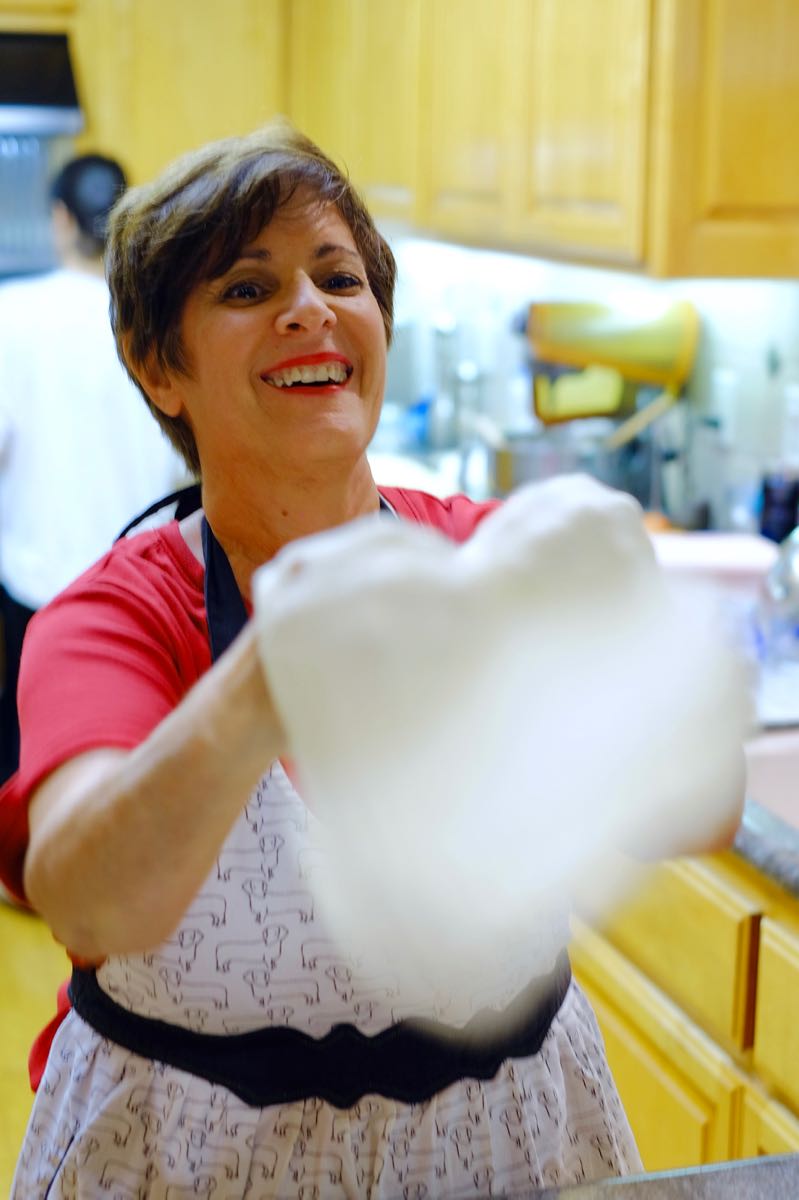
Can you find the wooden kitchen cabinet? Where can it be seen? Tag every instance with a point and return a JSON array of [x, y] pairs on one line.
[[694, 933], [648, 134], [776, 1049], [412, 97], [651, 133], [579, 92], [681, 1091], [533, 133], [767, 1127], [36, 16], [724, 186], [354, 87], [654, 134], [695, 982], [158, 77], [465, 135]]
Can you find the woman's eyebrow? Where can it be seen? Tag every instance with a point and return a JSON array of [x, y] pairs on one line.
[[329, 248], [324, 251], [256, 252]]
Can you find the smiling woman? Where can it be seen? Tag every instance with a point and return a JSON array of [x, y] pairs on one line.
[[293, 319], [170, 847]]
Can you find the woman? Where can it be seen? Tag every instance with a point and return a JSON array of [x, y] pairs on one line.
[[252, 305]]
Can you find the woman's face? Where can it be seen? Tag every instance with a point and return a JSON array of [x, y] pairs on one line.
[[286, 351]]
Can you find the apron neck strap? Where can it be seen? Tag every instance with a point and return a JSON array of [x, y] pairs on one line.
[[224, 606]]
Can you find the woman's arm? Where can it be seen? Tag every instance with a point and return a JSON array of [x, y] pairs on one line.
[[121, 841]]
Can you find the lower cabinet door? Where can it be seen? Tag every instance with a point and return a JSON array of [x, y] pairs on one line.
[[766, 1127], [776, 1051], [682, 1093]]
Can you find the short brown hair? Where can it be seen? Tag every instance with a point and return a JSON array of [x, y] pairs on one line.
[[191, 223]]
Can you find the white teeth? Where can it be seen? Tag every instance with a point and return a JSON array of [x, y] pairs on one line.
[[331, 372]]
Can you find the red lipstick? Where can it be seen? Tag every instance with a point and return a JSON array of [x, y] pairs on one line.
[[307, 360]]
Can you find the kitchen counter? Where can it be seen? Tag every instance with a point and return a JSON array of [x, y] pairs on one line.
[[768, 837], [774, 1178], [769, 843]]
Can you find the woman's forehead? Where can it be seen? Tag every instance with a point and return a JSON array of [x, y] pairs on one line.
[[306, 210], [303, 220]]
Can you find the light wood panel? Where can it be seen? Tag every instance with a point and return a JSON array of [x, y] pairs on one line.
[[354, 88], [323, 100], [766, 1127], [579, 122], [725, 180], [466, 48], [33, 968], [36, 16], [386, 167], [776, 1050], [682, 1093], [35, 8], [103, 52], [161, 76], [695, 934]]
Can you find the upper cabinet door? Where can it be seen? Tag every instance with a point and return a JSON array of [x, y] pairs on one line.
[[35, 16], [467, 46], [388, 103], [164, 76], [725, 194], [323, 97], [354, 89], [579, 121]]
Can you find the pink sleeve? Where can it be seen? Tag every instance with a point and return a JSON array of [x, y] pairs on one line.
[[101, 666], [457, 516]]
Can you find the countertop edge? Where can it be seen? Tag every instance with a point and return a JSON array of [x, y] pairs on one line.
[[769, 844]]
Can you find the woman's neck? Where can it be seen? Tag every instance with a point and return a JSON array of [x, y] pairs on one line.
[[268, 517]]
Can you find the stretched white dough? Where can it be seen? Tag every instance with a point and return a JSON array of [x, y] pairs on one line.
[[480, 728]]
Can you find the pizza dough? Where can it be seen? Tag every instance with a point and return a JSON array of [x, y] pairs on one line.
[[480, 729]]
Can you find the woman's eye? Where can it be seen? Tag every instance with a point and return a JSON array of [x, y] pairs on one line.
[[243, 290], [342, 281]]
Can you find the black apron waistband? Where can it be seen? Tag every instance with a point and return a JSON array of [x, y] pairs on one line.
[[409, 1062]]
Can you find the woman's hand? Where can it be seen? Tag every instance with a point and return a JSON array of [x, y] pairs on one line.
[[121, 841]]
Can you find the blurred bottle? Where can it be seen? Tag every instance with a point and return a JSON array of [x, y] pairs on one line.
[[732, 467], [777, 612], [779, 505], [443, 417]]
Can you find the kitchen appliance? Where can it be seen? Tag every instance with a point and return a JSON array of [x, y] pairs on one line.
[[601, 377], [584, 355], [39, 117]]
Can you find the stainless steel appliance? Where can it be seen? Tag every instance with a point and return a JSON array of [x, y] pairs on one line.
[[39, 117]]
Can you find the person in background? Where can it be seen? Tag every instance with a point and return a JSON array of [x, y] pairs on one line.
[[78, 455], [219, 1038]]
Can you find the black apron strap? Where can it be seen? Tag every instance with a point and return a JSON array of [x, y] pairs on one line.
[[224, 605], [186, 500]]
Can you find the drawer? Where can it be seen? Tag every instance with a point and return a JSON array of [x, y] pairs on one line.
[[695, 934], [776, 1049]]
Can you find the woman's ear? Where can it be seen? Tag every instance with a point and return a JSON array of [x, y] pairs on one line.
[[157, 382]]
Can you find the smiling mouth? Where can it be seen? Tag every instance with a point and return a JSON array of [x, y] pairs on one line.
[[309, 375]]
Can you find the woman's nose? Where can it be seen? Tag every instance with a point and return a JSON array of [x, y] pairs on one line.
[[305, 307]]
